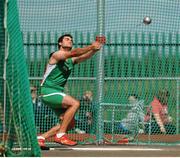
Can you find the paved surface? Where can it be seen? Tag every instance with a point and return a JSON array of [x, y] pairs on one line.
[[113, 151]]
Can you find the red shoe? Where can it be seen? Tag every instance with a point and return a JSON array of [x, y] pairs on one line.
[[64, 141], [42, 145], [41, 142], [123, 141]]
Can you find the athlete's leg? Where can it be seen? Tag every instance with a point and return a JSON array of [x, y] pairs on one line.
[[59, 101], [55, 129], [72, 105], [51, 132], [44, 136], [53, 99]]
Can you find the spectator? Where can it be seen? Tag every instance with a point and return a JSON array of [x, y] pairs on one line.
[[33, 94], [133, 123], [84, 114], [161, 122]]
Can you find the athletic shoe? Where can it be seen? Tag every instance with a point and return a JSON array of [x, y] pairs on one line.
[[64, 141], [42, 145], [123, 141]]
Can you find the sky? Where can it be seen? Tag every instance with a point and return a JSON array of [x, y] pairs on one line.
[[81, 15], [120, 16]]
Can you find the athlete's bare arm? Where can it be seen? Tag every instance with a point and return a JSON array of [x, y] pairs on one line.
[[86, 56], [63, 55], [83, 57]]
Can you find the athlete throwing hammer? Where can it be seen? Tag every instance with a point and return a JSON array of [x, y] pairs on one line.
[[58, 69]]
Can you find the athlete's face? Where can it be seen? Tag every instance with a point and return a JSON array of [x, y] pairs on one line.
[[67, 42]]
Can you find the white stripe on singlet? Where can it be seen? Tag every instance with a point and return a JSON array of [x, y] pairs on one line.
[[49, 68], [47, 95]]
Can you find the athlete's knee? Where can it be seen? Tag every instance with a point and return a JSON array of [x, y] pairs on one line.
[[76, 104]]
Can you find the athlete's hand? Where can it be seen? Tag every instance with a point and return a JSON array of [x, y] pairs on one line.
[[101, 39], [96, 45]]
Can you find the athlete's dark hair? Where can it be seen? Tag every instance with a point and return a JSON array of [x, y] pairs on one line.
[[62, 37]]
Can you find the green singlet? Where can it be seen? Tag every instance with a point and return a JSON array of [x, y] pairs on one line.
[[53, 83]]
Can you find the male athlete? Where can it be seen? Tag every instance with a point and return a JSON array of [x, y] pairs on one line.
[[57, 72]]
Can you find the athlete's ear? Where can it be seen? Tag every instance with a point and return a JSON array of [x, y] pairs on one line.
[[60, 43]]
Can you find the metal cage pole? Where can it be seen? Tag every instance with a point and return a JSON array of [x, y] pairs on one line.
[[177, 106], [100, 66], [5, 66]]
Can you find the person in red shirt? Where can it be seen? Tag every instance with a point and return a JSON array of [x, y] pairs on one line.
[[161, 122]]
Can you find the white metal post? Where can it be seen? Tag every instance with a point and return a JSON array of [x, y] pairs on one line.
[[100, 66]]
